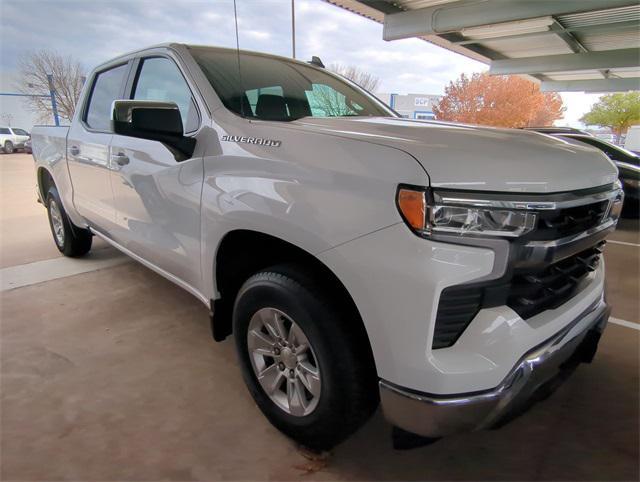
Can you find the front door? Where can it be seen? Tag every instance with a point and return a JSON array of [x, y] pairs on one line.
[[157, 197]]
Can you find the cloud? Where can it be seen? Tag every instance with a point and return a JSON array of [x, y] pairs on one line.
[[257, 34], [95, 31]]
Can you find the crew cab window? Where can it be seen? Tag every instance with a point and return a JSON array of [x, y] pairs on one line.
[[107, 87], [277, 89], [160, 79], [4, 130]]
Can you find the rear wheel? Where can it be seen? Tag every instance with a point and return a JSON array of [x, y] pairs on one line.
[[301, 358], [70, 239], [8, 147]]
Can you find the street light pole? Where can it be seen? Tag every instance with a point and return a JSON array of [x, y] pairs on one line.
[[54, 105], [293, 27]]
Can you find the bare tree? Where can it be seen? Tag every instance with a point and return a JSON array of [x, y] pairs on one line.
[[7, 118], [331, 102], [68, 77], [364, 79]]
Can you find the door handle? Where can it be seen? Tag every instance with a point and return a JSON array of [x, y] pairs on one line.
[[120, 159], [74, 150]]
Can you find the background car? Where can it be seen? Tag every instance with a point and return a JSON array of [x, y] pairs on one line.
[[632, 139], [27, 146], [556, 130], [12, 138], [628, 164]]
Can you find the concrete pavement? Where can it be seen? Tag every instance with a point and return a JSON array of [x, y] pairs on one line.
[[111, 374]]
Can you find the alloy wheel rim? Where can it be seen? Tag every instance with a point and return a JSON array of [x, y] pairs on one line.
[[284, 362], [56, 222]]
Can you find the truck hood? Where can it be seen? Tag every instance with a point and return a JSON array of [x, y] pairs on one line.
[[468, 157]]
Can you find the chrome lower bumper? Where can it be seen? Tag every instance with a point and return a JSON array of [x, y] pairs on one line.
[[536, 375]]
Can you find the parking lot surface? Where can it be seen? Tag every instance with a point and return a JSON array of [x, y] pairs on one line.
[[109, 372]]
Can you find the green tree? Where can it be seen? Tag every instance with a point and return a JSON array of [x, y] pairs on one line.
[[616, 111]]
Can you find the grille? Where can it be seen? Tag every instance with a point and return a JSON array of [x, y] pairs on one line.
[[533, 293], [528, 293], [565, 222]]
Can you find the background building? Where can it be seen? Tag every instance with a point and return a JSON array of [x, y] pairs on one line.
[[412, 106]]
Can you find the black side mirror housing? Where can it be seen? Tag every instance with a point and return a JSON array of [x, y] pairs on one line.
[[152, 120]]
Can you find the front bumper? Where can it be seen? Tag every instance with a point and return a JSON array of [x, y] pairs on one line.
[[536, 375]]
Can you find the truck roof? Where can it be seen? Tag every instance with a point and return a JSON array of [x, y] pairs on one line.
[[178, 46]]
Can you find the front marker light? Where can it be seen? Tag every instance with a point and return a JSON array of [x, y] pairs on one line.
[[428, 217], [615, 211], [413, 207]]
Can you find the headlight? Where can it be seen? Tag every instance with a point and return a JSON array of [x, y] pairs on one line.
[[422, 212]]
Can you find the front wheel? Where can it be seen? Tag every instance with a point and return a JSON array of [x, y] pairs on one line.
[[8, 147], [301, 358], [70, 239]]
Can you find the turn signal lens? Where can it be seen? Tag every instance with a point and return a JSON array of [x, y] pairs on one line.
[[413, 206]]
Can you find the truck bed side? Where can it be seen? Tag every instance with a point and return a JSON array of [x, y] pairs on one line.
[[49, 146]]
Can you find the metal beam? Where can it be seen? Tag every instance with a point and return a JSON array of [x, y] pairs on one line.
[[609, 59], [630, 26], [599, 85], [454, 16], [567, 37]]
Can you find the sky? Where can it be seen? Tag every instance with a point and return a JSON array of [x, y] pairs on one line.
[[94, 31]]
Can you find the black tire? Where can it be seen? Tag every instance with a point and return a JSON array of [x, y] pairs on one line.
[[349, 393], [74, 241], [8, 147]]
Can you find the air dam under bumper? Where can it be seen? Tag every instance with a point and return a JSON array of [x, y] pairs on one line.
[[535, 376]]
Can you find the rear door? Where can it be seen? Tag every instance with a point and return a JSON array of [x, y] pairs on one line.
[[157, 197], [88, 149]]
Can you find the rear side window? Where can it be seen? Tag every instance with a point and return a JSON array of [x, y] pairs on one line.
[[254, 94], [4, 130], [20, 132], [160, 79], [107, 87]]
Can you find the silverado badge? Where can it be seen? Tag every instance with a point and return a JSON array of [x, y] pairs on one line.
[[259, 141]]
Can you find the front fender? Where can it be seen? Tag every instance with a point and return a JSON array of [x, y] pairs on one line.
[[325, 192]]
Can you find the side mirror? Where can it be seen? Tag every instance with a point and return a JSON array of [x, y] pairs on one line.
[[156, 121]]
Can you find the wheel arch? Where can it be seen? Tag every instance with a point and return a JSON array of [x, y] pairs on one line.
[[45, 181], [243, 252]]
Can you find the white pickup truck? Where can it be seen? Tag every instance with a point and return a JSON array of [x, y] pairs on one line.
[[451, 272]]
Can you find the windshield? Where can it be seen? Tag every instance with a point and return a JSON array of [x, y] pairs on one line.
[[271, 88]]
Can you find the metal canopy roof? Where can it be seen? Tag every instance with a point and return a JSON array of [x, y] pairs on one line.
[[567, 45]]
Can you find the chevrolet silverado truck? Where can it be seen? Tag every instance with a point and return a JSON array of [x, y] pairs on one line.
[[451, 273]]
